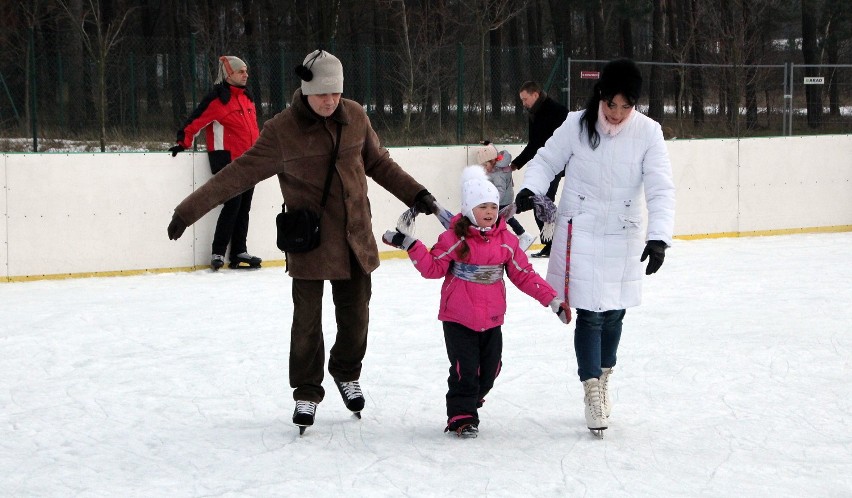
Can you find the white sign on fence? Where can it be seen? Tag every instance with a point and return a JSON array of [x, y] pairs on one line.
[[814, 80]]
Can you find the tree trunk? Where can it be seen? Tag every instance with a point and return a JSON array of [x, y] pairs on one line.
[[560, 18], [175, 73], [599, 47], [253, 58], [495, 56], [79, 101], [813, 94], [482, 97], [696, 80], [626, 38], [655, 83]]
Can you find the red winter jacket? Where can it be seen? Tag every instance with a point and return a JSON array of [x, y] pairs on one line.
[[229, 115], [479, 306]]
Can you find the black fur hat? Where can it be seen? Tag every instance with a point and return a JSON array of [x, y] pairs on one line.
[[620, 76]]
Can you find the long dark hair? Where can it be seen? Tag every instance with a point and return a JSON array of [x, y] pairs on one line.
[[617, 76], [460, 229]]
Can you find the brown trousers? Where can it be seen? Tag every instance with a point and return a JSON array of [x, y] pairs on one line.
[[307, 348]]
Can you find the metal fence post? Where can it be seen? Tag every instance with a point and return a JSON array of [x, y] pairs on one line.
[[367, 68], [567, 102], [786, 113], [282, 89], [132, 74], [792, 94], [460, 95], [31, 43], [60, 84], [192, 75]]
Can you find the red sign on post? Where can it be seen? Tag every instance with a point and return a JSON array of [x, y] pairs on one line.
[[590, 75]]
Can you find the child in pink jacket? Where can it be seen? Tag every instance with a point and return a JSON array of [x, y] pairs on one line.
[[472, 256]]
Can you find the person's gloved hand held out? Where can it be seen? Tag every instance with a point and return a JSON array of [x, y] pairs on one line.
[[656, 250], [398, 239], [177, 148], [562, 310], [425, 202], [176, 227], [524, 200]]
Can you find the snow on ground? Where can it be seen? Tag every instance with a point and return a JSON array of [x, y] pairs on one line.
[[733, 380], [53, 145]]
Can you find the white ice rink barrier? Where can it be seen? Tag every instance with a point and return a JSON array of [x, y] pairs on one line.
[[82, 214]]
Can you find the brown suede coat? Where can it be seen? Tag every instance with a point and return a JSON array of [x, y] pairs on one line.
[[296, 145]]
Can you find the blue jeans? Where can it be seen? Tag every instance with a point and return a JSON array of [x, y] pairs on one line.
[[596, 337]]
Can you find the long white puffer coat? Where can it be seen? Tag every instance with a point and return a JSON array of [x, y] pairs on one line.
[[603, 197]]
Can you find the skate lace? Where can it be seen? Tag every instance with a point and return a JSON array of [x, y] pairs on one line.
[[593, 400], [307, 407], [603, 383], [351, 390]]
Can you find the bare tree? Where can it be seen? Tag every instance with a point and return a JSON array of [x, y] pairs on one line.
[[99, 44], [404, 75], [658, 41], [683, 49], [810, 53], [838, 27], [489, 15]]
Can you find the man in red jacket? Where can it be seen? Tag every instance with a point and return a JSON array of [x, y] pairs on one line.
[[228, 115]]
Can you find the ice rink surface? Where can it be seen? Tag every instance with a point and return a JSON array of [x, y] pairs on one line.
[[732, 380]]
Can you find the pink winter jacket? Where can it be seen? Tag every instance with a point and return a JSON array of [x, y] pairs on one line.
[[479, 306]]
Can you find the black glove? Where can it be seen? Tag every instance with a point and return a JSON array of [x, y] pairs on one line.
[[656, 249], [524, 200], [177, 148], [425, 202], [398, 239], [176, 227]]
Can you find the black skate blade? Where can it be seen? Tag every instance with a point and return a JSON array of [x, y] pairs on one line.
[[357, 415], [239, 266], [598, 433], [302, 429]]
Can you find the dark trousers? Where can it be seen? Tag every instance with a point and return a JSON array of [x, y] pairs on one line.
[[233, 223], [596, 337], [514, 223], [307, 349], [475, 361]]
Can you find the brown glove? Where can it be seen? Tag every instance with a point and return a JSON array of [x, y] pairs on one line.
[[176, 227]]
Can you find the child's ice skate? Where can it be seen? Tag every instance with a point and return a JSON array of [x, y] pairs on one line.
[[465, 426]]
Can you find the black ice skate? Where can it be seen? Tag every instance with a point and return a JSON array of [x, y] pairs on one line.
[[244, 260], [303, 415], [352, 396], [217, 261]]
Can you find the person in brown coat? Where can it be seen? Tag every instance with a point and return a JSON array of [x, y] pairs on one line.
[[296, 145]]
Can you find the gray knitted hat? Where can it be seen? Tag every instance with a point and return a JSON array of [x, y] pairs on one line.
[[321, 72]]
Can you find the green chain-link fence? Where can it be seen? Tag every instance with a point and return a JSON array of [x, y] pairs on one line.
[[438, 97]]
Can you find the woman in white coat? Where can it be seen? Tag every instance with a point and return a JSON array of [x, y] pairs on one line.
[[616, 164]]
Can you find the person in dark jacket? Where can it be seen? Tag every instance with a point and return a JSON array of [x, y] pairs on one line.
[[229, 117], [545, 116], [296, 145]]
